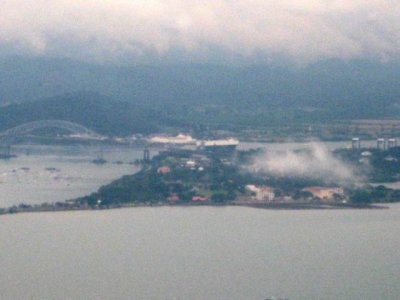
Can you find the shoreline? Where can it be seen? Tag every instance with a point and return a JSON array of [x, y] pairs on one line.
[[269, 206]]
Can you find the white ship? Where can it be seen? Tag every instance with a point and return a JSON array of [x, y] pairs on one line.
[[180, 139], [219, 145]]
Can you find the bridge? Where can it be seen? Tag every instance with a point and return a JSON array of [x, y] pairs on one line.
[[32, 126], [9, 136]]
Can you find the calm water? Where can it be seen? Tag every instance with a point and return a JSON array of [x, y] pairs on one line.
[[201, 253], [181, 253], [28, 179]]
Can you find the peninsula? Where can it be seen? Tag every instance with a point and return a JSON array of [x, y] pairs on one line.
[[208, 177]]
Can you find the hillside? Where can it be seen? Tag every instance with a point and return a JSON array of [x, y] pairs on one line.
[[350, 89], [144, 99], [92, 110]]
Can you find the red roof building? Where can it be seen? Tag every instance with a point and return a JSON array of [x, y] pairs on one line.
[[199, 198], [163, 170]]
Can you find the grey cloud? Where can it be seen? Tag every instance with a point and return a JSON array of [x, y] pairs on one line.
[[109, 30]]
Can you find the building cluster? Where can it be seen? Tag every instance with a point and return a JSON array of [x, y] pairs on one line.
[[199, 161], [365, 157], [263, 193], [181, 160], [188, 163], [381, 143]]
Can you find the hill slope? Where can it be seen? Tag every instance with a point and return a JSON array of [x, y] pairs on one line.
[[208, 95], [92, 110]]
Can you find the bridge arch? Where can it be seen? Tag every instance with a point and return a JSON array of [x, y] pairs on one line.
[[26, 128]]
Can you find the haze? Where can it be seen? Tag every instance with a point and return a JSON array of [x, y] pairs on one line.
[[115, 31]]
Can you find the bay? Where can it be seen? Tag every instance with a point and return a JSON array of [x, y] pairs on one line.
[[201, 253]]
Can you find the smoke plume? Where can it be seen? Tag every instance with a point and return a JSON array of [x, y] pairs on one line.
[[314, 163]]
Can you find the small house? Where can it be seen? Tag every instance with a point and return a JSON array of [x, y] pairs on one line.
[[261, 192]]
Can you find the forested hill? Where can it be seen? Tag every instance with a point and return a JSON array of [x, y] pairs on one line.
[[354, 89], [144, 99], [92, 110]]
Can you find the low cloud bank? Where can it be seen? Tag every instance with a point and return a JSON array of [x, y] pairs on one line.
[[315, 163], [108, 30]]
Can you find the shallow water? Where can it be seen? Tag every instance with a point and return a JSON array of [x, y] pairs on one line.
[[52, 173]]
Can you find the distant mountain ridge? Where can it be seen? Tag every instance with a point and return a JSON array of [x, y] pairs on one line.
[[210, 95]]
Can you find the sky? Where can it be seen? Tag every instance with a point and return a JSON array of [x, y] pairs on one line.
[[301, 31]]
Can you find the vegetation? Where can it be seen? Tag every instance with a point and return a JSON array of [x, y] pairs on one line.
[[269, 100], [213, 178], [379, 194], [375, 165], [94, 111], [187, 177], [181, 176]]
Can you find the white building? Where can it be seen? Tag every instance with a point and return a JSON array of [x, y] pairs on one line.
[[261, 193]]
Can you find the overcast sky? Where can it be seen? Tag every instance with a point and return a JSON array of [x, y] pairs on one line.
[[145, 30]]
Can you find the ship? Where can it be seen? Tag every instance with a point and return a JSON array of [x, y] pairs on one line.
[[178, 140], [225, 145]]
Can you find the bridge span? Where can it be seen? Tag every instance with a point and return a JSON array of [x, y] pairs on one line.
[[35, 125], [7, 137]]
